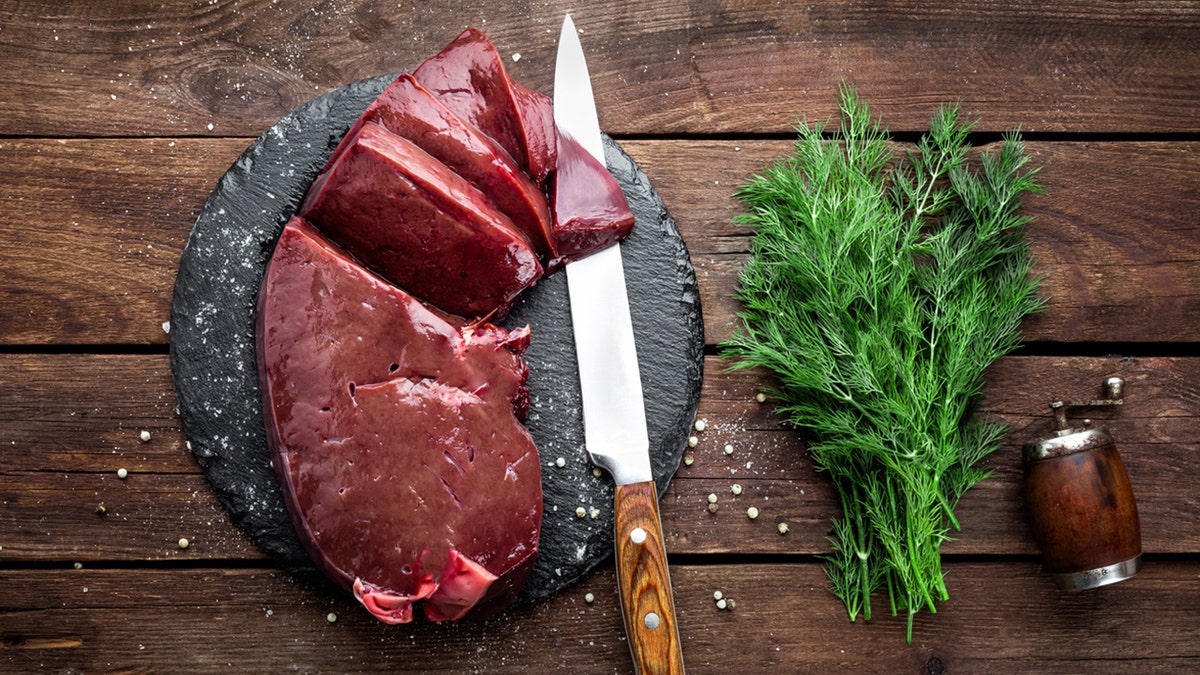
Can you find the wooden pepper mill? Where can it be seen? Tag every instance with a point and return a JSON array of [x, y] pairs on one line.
[[1084, 515]]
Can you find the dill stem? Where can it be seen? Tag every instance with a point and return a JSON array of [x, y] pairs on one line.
[[863, 555]]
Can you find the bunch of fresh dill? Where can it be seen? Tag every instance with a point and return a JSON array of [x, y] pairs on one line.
[[879, 288]]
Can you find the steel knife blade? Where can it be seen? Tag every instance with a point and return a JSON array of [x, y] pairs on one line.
[[614, 413]]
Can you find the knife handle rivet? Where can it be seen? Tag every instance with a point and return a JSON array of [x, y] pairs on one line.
[[652, 620], [638, 535]]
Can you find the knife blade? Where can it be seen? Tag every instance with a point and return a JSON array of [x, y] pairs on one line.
[[614, 413]]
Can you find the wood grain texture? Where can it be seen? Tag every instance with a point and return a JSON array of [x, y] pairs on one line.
[[141, 68], [1001, 618], [69, 422], [1113, 237], [118, 118], [91, 232], [644, 582]]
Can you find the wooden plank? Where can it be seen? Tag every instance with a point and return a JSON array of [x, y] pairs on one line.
[[68, 423], [91, 232], [52, 516], [1113, 236], [149, 69], [1000, 618]]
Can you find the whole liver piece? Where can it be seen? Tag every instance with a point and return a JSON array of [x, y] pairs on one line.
[[396, 437]]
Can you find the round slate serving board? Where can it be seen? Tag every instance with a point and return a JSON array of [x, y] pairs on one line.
[[216, 375]]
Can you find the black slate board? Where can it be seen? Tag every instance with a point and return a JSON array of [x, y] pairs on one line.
[[216, 377]]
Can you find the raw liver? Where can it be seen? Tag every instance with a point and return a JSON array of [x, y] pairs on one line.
[[216, 380], [415, 222], [470, 78], [590, 210], [409, 110], [396, 437]]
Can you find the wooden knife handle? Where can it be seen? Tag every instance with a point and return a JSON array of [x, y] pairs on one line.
[[644, 582]]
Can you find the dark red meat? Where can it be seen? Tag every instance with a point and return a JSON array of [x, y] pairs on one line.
[[590, 210], [535, 116], [409, 110], [415, 222], [396, 437], [469, 77]]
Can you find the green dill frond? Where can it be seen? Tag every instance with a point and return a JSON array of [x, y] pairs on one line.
[[878, 290]]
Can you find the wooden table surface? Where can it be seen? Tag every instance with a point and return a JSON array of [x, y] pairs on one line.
[[117, 118]]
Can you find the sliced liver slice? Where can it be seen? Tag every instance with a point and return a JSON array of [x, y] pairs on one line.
[[415, 222], [396, 437], [470, 78], [409, 110], [590, 210]]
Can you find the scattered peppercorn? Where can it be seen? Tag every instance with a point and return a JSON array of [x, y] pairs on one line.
[[589, 598], [722, 603], [752, 512], [693, 441], [121, 473], [184, 543], [144, 436], [331, 617], [761, 397], [701, 425], [100, 509], [728, 449], [560, 462], [717, 595], [688, 459], [735, 489], [712, 498], [712, 508], [783, 528], [580, 512]]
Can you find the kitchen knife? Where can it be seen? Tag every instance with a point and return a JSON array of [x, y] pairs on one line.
[[614, 413]]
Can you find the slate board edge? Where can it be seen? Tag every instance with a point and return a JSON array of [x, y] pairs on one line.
[[225, 475]]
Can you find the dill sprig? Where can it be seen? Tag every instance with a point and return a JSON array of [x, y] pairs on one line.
[[878, 290]]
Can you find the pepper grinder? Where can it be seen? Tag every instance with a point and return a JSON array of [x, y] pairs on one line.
[[1084, 515]]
